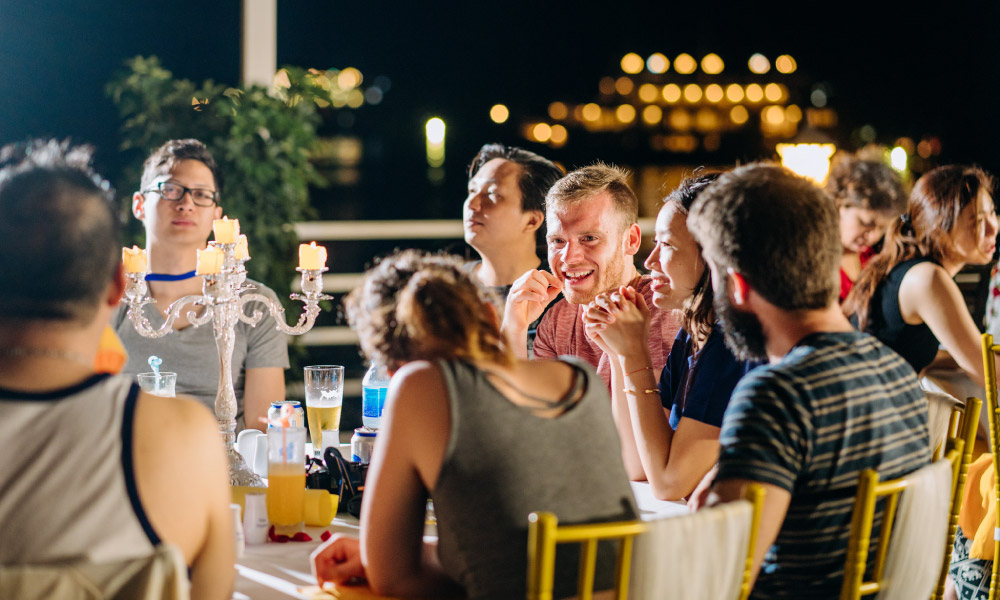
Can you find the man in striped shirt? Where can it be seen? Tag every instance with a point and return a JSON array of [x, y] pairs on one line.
[[831, 403]]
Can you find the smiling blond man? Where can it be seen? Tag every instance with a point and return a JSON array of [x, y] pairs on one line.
[[592, 236]]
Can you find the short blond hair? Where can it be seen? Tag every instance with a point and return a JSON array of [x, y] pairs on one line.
[[590, 181]]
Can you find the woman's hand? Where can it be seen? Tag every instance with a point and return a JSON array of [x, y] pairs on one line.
[[338, 560], [623, 321]]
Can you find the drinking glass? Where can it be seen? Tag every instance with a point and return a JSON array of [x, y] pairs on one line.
[[158, 384], [286, 479], [324, 399]]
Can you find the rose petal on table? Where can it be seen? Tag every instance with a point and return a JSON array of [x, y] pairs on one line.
[[325, 535], [283, 539], [302, 536]]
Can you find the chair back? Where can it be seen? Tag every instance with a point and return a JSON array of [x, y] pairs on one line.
[[993, 414], [910, 544], [941, 410], [161, 575], [544, 532], [708, 554], [961, 438]]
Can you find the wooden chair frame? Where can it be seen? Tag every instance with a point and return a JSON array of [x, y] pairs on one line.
[[870, 491], [544, 533]]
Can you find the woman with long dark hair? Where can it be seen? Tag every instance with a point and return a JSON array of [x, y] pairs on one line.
[[490, 438], [907, 296], [670, 432]]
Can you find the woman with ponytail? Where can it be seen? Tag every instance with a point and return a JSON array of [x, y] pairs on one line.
[[907, 296], [489, 437]]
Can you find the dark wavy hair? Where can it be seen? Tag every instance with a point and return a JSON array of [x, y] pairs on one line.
[[867, 184], [537, 172], [697, 316], [170, 153], [925, 229]]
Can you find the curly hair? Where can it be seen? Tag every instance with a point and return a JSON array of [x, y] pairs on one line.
[[418, 306], [866, 184]]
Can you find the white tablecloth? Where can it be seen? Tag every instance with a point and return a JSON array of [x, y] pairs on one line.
[[274, 571]]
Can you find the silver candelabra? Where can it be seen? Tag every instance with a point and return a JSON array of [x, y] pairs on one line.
[[225, 296]]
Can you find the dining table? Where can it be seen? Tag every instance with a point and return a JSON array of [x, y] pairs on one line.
[[281, 571]]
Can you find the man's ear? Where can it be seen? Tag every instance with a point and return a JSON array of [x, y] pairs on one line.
[[535, 220], [116, 288], [739, 289], [218, 211], [138, 205], [631, 240]]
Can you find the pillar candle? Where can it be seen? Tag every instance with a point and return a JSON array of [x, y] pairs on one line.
[[210, 261], [134, 259], [226, 230], [242, 251], [311, 256]]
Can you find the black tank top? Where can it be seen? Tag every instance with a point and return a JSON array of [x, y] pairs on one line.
[[915, 343]]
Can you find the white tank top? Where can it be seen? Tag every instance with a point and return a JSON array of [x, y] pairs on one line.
[[67, 490]]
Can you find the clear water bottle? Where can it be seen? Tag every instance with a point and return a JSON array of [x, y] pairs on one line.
[[373, 390]]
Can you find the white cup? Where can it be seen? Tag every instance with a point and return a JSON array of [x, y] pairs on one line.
[[252, 445]]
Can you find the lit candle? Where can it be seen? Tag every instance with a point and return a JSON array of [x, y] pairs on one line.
[[242, 251], [210, 261], [226, 230], [311, 256], [134, 259]]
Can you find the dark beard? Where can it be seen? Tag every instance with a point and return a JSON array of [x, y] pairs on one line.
[[742, 330]]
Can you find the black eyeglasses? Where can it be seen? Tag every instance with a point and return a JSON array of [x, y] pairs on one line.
[[175, 191]]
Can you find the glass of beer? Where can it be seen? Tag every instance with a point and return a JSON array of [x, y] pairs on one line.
[[286, 479], [324, 399]]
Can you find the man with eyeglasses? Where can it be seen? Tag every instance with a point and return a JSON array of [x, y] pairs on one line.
[[177, 202]]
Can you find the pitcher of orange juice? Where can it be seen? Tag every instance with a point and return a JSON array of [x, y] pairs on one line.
[[286, 478]]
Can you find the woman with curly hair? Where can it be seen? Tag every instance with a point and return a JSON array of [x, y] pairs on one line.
[[489, 437]]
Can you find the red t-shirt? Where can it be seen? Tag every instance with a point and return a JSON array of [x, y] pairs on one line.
[[846, 283], [562, 332]]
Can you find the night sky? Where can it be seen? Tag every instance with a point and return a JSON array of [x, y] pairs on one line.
[[904, 71]]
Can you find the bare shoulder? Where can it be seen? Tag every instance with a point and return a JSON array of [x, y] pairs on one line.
[[415, 386], [180, 418], [927, 288]]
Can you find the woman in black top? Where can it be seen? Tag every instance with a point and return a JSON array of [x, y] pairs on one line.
[[906, 296]]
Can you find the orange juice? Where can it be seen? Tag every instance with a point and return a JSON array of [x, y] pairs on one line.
[[286, 492]]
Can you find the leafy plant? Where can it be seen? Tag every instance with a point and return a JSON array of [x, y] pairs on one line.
[[262, 143]]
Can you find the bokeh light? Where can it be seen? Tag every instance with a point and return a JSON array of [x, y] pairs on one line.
[[734, 92], [652, 114], [648, 92], [685, 64], [692, 92], [712, 64], [714, 93], [632, 63], [499, 113], [657, 63], [671, 92], [759, 64], [785, 64], [754, 93], [739, 114], [558, 111], [625, 113]]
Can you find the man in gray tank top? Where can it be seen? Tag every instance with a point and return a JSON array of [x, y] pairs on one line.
[[94, 470]]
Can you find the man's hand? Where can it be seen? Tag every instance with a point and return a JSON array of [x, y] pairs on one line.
[[699, 496], [526, 301], [338, 560]]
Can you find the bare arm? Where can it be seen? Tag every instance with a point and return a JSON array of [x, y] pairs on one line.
[[182, 476], [261, 387], [404, 466], [776, 501], [928, 294]]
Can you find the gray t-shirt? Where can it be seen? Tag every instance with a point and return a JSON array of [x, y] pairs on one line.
[[502, 462], [192, 354]]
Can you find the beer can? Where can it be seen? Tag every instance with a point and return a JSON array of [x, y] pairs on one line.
[[298, 418], [362, 443]]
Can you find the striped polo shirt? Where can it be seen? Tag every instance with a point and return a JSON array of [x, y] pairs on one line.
[[836, 404]]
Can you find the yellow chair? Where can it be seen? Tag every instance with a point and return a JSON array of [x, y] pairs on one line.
[[544, 533], [870, 491], [990, 375], [961, 434]]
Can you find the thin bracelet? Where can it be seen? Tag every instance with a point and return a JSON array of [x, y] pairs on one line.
[[637, 370], [648, 391]]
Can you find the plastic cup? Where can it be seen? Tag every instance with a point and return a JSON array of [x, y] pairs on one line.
[[158, 384], [286, 479]]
